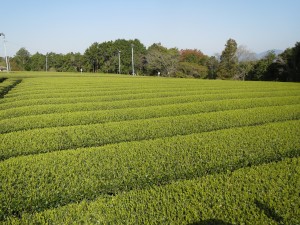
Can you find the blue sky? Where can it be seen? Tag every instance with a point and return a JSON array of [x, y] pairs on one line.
[[63, 26]]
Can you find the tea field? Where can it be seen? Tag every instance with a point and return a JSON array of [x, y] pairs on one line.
[[108, 149]]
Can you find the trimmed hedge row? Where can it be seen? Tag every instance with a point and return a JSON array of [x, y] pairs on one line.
[[106, 105], [39, 93], [44, 90], [94, 97], [38, 182], [148, 133], [33, 95], [7, 85], [265, 194], [62, 138], [104, 116]]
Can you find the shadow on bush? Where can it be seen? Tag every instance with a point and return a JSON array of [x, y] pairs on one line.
[[269, 212], [211, 222], [5, 90]]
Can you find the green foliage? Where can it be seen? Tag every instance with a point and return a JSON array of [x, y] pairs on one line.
[[228, 65], [58, 178], [236, 63], [212, 64], [7, 84], [2, 62], [37, 62], [73, 62], [161, 60], [244, 69], [187, 69], [104, 57], [97, 148], [286, 67], [91, 56], [61, 138], [243, 196], [193, 56], [151, 111], [260, 69], [22, 59], [87, 104]]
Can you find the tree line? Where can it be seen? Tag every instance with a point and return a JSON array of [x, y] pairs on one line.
[[235, 62]]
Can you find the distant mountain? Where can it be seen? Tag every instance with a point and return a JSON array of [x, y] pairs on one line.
[[263, 54]]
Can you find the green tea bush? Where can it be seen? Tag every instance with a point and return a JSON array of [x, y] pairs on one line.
[[265, 194], [62, 138], [103, 149], [108, 105], [114, 115], [38, 182]]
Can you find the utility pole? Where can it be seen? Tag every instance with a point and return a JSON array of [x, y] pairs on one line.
[[47, 62], [6, 58], [119, 62], [132, 45]]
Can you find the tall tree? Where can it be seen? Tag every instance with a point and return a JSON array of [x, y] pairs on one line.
[[259, 71], [103, 57], [92, 56], [186, 69], [72, 62], [228, 66], [22, 59], [192, 64], [246, 61], [193, 56], [212, 65], [125, 46], [296, 62], [287, 65], [38, 62], [162, 60], [56, 62]]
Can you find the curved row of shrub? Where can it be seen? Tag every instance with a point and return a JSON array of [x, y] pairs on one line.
[[33, 94], [114, 115], [41, 88], [7, 85], [243, 196], [49, 87], [97, 97], [37, 92], [120, 142], [87, 94], [38, 182], [61, 138], [107, 105]]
